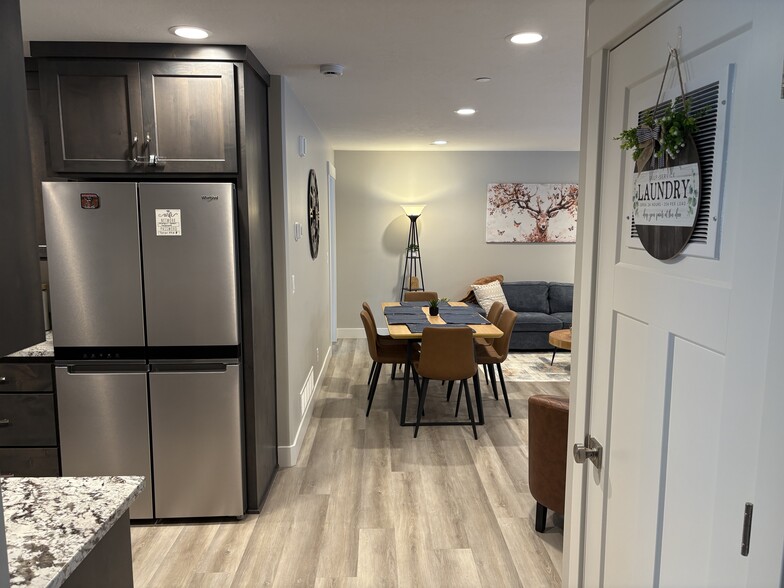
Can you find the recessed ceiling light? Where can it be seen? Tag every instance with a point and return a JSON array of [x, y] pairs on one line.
[[188, 32], [438, 142], [465, 111], [525, 38], [482, 80]]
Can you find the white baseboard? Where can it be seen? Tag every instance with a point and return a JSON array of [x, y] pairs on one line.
[[357, 333], [288, 454]]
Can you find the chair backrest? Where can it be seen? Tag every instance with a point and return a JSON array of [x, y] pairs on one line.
[[506, 323], [371, 334], [447, 353], [366, 307], [495, 312], [420, 296]]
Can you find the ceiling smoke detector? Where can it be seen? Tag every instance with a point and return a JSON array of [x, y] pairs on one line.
[[331, 70]]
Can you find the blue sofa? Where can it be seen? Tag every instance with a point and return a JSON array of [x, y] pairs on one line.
[[541, 307]]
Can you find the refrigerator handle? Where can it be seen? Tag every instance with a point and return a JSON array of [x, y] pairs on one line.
[[108, 369], [180, 367]]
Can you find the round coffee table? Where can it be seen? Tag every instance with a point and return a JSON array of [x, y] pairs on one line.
[[561, 339]]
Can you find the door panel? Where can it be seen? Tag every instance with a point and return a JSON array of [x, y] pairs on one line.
[[93, 111], [94, 265], [189, 112], [190, 276], [196, 440], [104, 428]]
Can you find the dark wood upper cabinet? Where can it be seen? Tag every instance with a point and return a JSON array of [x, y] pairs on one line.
[[107, 116], [189, 113], [93, 113]]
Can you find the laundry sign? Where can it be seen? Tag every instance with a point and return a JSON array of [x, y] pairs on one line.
[[667, 197], [168, 222]]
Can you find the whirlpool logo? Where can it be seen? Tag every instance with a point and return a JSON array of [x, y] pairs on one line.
[[209, 197]]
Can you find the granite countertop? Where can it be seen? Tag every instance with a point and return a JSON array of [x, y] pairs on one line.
[[45, 349], [51, 524]]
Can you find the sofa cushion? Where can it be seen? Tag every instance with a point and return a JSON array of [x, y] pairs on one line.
[[527, 296], [470, 298], [486, 294], [561, 297], [564, 317], [537, 321]]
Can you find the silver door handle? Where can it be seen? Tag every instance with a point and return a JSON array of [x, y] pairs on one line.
[[591, 450], [4, 422]]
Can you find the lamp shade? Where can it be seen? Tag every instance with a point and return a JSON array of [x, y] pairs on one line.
[[413, 210]]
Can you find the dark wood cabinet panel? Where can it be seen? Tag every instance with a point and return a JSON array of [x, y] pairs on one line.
[[29, 462], [27, 420], [189, 113], [93, 112], [25, 377]]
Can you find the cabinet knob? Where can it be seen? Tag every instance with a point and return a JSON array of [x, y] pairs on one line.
[[3, 380]]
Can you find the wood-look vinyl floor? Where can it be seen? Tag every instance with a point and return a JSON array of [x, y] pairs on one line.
[[369, 505]]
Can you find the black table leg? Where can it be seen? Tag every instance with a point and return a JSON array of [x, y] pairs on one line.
[[478, 393], [406, 374]]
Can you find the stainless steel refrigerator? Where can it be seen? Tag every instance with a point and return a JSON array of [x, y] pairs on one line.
[[144, 296]]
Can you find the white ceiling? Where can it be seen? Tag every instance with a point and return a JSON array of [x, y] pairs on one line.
[[409, 63]]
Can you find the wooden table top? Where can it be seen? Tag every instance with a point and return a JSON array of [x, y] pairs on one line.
[[487, 331], [562, 339]]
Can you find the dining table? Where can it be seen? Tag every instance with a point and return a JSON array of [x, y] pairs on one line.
[[407, 320]]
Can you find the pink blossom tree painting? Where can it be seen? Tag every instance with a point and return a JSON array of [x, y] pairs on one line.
[[531, 213]]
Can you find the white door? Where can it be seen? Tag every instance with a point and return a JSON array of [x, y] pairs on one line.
[[679, 362]]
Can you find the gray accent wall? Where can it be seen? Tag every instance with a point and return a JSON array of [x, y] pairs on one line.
[[372, 230], [302, 308]]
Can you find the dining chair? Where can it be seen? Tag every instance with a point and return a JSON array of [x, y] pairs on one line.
[[494, 355], [380, 354], [382, 340], [420, 296], [447, 353]]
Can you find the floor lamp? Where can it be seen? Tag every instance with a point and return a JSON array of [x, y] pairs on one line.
[[413, 279]]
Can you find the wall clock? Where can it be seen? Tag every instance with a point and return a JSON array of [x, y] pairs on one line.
[[313, 214]]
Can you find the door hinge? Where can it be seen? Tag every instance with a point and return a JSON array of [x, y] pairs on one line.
[[591, 450], [746, 539]]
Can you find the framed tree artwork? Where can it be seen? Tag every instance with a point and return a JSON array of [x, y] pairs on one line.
[[531, 213]]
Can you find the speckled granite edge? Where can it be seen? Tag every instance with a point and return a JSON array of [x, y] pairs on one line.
[[43, 349], [52, 524]]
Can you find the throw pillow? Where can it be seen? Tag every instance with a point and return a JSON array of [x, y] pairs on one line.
[[486, 294], [470, 298]]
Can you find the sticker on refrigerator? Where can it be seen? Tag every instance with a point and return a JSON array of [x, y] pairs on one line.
[[168, 222]]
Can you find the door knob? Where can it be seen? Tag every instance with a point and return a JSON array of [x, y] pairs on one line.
[[591, 450]]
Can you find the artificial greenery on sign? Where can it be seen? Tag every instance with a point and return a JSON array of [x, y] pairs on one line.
[[671, 129]]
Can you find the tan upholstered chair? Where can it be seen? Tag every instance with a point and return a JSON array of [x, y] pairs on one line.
[[447, 353], [548, 429], [420, 296], [380, 354], [382, 340], [494, 355]]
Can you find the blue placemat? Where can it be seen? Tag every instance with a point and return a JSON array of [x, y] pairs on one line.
[[406, 319], [414, 303], [419, 327], [470, 319], [402, 310]]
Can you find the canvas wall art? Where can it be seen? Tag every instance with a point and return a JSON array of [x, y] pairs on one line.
[[531, 213]]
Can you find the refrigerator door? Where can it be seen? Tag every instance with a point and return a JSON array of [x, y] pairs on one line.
[[95, 276], [196, 440], [190, 265], [104, 425]]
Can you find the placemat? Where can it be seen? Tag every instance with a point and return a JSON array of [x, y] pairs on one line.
[[396, 310], [419, 327], [470, 319], [413, 303], [406, 319]]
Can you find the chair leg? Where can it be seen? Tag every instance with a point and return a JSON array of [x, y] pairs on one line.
[[480, 411], [470, 407], [503, 389], [541, 517], [487, 377], [492, 382], [449, 390], [421, 409], [373, 385], [416, 381], [459, 394], [370, 375], [394, 369]]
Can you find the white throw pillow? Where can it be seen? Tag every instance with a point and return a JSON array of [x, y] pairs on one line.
[[486, 294]]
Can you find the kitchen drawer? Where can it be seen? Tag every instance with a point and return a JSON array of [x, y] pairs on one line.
[[25, 377], [29, 462], [27, 420]]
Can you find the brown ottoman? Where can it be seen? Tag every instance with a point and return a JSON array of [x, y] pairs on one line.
[[548, 425]]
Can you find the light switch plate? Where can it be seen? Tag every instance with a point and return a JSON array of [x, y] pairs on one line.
[[302, 146]]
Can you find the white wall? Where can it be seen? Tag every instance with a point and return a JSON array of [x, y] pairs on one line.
[[372, 230], [302, 305]]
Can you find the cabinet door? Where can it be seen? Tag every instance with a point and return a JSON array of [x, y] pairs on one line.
[[189, 113], [93, 113]]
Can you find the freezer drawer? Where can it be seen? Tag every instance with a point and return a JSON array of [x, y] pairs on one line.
[[196, 442], [104, 427], [190, 264], [95, 275]]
